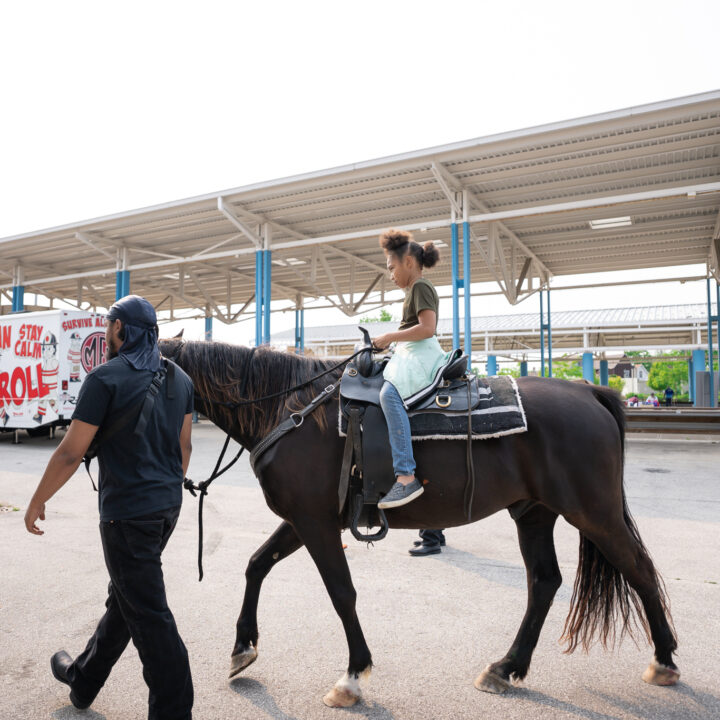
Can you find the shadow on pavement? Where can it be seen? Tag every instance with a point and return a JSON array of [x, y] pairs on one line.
[[552, 702], [501, 573], [72, 713], [258, 695], [663, 706]]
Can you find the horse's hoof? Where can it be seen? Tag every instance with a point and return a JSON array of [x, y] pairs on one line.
[[659, 674], [491, 682], [340, 697], [346, 691], [240, 661]]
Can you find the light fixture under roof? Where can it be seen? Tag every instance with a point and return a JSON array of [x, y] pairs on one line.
[[614, 222]]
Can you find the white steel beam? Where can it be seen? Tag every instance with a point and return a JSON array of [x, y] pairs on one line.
[[445, 222], [331, 277], [92, 241], [242, 309], [372, 285], [253, 237], [445, 178]]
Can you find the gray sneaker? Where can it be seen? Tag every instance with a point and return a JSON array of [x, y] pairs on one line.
[[401, 494]]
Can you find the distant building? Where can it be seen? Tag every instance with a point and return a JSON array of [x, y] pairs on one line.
[[634, 376]]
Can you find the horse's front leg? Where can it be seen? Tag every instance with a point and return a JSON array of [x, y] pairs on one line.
[[535, 532], [283, 542], [322, 539]]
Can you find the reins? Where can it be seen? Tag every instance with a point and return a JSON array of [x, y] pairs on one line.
[[287, 391], [202, 487]]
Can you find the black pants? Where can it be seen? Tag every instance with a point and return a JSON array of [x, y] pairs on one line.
[[432, 537], [137, 609]]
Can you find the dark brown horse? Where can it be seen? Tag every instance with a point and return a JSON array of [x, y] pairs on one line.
[[569, 463]]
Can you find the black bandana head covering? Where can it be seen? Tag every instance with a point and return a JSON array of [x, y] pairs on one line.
[[140, 347]]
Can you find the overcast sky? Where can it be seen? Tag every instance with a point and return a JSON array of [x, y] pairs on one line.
[[107, 108]]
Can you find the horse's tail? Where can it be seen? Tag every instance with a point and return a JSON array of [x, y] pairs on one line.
[[601, 595]]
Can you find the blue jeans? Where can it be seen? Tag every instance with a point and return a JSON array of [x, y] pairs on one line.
[[398, 429]]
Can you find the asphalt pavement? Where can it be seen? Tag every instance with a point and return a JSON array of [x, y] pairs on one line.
[[432, 623]]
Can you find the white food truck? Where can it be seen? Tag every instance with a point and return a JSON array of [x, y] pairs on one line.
[[44, 357]]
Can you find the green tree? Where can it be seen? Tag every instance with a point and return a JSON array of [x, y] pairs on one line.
[[616, 383], [668, 373], [383, 316], [567, 370]]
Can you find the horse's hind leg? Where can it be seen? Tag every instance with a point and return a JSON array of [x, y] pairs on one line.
[[283, 542], [535, 532], [323, 542], [622, 547]]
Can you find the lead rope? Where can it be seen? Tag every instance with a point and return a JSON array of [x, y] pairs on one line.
[[202, 487]]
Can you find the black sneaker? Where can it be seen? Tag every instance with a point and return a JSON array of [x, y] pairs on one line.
[[401, 494], [59, 664]]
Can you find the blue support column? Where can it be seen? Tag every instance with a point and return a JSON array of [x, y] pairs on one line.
[[122, 284], [299, 330], [18, 298], [455, 259], [698, 365], [711, 349], [466, 291], [604, 373], [491, 365], [691, 380], [543, 327], [587, 367], [717, 327], [208, 327], [523, 368], [542, 337], [267, 291], [549, 332], [259, 297]]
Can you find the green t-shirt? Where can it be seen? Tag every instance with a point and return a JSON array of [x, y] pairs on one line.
[[421, 296]]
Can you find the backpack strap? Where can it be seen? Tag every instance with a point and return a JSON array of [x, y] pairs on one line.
[[145, 408]]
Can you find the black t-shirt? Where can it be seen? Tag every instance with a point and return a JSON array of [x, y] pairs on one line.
[[138, 475]]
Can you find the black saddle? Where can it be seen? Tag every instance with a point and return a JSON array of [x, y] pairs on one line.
[[367, 471]]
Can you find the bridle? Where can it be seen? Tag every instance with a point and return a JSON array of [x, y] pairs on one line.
[[202, 487]]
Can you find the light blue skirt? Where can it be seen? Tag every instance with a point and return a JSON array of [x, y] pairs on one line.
[[414, 365]]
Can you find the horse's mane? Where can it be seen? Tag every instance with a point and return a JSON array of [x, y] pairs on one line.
[[217, 370]]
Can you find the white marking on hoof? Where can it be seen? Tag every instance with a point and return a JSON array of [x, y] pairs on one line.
[[346, 691], [659, 674], [240, 661], [491, 682]]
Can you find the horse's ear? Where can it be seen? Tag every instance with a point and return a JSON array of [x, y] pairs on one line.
[[180, 334]]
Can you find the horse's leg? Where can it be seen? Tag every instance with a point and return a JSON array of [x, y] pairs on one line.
[[622, 549], [535, 532], [323, 542], [283, 542]]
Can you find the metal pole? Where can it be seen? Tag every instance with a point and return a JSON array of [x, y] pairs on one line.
[[268, 295], [710, 345], [466, 291], [549, 329], [259, 297], [717, 320], [542, 337], [455, 283], [302, 330], [18, 291]]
